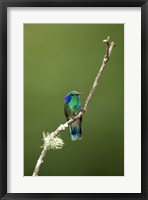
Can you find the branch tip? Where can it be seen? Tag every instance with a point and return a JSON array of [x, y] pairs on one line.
[[106, 40], [113, 44]]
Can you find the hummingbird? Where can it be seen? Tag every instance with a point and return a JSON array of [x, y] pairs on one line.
[[71, 108]]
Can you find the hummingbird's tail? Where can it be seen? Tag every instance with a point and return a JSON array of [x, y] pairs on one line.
[[75, 130]]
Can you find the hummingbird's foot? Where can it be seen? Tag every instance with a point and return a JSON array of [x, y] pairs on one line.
[[83, 110]]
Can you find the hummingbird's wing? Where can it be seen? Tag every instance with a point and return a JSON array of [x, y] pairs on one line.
[[65, 112], [80, 136], [75, 130], [74, 127]]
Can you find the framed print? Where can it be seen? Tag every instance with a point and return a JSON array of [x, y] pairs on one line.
[[73, 100]]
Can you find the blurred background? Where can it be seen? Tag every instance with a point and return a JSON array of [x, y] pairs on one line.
[[59, 58]]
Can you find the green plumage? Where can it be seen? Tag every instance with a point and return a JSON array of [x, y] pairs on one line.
[[72, 107]]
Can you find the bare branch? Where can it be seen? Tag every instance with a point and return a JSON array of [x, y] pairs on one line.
[[109, 48], [51, 137]]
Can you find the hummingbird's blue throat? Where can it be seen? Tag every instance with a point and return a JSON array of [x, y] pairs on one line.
[[67, 98]]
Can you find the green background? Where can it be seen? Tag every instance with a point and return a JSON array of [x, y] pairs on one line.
[[59, 58]]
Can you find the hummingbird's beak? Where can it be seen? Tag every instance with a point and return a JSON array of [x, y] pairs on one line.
[[81, 93]]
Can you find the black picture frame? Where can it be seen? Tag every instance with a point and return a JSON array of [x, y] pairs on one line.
[[4, 4]]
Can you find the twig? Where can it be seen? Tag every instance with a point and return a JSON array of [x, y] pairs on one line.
[[50, 138]]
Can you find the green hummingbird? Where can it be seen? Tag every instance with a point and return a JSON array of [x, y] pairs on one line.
[[72, 107]]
